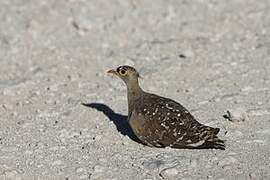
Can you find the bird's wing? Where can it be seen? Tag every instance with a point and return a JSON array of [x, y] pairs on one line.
[[173, 124]]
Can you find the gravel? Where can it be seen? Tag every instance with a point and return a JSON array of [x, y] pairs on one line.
[[212, 56]]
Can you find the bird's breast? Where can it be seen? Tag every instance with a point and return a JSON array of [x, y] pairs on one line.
[[137, 122]]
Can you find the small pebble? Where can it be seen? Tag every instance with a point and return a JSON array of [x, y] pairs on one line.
[[82, 24], [253, 175], [14, 114], [259, 141], [247, 89], [227, 161], [203, 102], [260, 103], [152, 164], [27, 152], [97, 138], [7, 106], [169, 173], [98, 169], [79, 170], [233, 133], [84, 176], [57, 163], [182, 56], [236, 115]]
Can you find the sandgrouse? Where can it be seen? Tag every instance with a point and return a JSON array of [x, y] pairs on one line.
[[160, 122]]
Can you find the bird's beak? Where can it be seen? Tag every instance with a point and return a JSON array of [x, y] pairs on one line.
[[112, 71]]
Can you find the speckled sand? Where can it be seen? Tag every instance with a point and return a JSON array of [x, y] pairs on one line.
[[209, 55]]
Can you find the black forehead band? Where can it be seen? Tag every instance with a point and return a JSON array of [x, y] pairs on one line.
[[124, 68]]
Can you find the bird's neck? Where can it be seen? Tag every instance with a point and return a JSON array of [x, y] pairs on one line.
[[134, 92]]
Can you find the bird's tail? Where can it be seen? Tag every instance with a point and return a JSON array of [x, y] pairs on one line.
[[214, 142], [211, 139]]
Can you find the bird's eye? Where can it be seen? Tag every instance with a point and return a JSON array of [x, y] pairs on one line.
[[123, 72]]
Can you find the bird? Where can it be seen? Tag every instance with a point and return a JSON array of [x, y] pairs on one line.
[[162, 122]]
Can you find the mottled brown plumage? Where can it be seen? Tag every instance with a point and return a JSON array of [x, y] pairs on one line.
[[162, 122]]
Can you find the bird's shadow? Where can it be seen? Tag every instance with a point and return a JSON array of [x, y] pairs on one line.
[[120, 121]]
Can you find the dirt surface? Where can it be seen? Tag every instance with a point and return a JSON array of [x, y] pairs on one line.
[[209, 55]]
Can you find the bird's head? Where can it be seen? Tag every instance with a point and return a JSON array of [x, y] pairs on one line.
[[127, 73]]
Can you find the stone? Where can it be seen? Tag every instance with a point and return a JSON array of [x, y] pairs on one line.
[[84, 176], [169, 173], [57, 163], [227, 161], [79, 170], [234, 133], [98, 169], [236, 115], [82, 25]]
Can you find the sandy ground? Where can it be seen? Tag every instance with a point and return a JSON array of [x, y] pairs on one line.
[[210, 55]]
